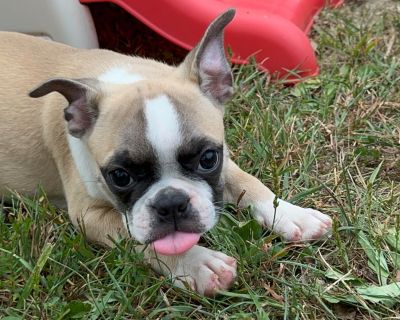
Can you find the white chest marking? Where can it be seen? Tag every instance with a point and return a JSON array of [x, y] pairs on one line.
[[163, 130], [119, 75]]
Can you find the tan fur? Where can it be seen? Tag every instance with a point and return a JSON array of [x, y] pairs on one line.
[[242, 188]]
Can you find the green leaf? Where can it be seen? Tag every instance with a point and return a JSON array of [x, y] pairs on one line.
[[100, 305], [83, 250], [25, 263], [367, 152], [249, 230], [395, 259], [336, 275], [392, 237], [35, 277], [374, 174], [228, 220], [331, 299], [387, 294], [376, 259], [77, 309]]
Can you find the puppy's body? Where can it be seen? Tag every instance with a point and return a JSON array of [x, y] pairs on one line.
[[133, 147]]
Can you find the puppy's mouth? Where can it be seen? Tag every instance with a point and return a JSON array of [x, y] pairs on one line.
[[175, 243]]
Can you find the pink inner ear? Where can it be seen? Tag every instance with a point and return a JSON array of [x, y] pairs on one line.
[[78, 117], [212, 59], [214, 72]]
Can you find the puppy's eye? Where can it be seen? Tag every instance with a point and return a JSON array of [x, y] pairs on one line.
[[209, 160], [120, 178]]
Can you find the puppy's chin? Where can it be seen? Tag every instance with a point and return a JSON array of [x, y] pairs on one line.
[[172, 233]]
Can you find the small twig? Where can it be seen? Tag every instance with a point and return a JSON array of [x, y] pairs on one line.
[[241, 195]]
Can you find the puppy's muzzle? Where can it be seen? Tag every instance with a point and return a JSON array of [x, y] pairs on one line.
[[172, 206]]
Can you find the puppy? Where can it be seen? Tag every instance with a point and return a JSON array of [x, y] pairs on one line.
[[134, 148]]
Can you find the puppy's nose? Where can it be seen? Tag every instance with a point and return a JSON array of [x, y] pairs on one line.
[[171, 204]]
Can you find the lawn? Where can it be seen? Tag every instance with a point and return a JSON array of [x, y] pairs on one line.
[[332, 143]]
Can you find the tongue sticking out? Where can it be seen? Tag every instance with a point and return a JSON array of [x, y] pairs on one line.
[[175, 243]]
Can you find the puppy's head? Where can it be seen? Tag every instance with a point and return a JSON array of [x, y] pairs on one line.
[[154, 148]]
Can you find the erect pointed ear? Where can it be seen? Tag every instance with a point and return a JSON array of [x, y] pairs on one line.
[[82, 96], [206, 64]]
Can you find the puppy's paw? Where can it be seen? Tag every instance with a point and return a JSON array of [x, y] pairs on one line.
[[293, 222], [205, 271]]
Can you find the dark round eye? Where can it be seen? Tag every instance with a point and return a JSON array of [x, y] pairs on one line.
[[120, 178], [208, 160]]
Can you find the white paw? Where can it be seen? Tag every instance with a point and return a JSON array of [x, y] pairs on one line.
[[205, 271], [293, 222]]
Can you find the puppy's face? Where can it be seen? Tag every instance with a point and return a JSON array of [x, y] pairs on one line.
[[163, 160], [154, 148]]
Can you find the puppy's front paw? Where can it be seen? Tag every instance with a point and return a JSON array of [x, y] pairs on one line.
[[293, 222], [205, 271]]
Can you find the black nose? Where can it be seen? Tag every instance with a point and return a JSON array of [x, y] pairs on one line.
[[171, 204]]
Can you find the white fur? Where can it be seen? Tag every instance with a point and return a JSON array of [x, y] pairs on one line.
[[204, 270], [119, 75], [293, 222], [87, 167], [163, 128]]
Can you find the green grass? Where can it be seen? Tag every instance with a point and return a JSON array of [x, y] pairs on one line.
[[332, 142]]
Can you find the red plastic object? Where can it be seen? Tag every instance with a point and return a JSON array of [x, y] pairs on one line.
[[273, 31]]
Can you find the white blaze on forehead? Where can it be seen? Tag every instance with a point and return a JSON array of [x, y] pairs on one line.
[[163, 130], [120, 76]]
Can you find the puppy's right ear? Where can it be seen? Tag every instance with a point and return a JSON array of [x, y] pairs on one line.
[[82, 96], [207, 65]]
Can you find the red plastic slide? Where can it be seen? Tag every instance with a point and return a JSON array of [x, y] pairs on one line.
[[273, 31]]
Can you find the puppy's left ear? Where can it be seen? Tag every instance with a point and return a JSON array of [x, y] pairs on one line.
[[207, 65], [82, 96]]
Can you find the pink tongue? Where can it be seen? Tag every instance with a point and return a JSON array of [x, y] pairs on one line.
[[175, 243]]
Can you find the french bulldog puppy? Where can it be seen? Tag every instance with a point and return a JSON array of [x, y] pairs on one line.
[[134, 148]]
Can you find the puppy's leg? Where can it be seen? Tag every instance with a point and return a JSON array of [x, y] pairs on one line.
[[98, 221], [96, 218], [203, 270], [293, 222]]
